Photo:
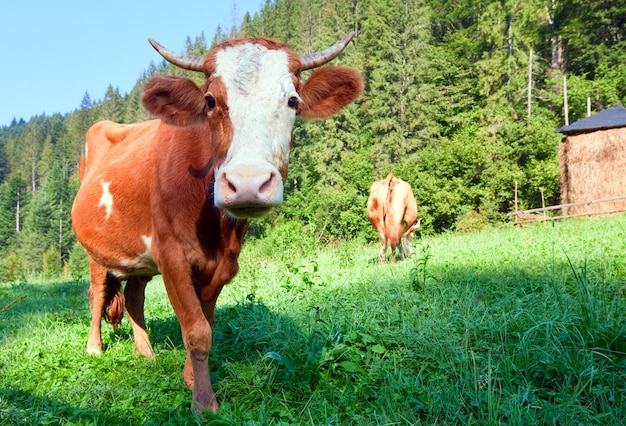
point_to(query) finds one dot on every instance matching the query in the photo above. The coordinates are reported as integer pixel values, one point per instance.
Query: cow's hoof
(94, 350)
(198, 408)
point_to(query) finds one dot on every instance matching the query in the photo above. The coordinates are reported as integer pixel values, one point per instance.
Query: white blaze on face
(106, 200)
(259, 84)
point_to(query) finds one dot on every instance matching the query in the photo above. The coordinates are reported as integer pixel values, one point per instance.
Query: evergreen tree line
(462, 99)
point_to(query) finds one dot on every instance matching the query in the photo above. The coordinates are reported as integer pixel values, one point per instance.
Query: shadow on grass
(18, 407)
(67, 300)
(43, 296)
(246, 337)
(250, 326)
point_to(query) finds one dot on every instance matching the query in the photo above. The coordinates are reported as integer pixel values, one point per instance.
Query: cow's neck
(186, 177)
(220, 256)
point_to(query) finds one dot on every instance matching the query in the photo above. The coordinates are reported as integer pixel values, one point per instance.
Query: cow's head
(405, 247)
(248, 103)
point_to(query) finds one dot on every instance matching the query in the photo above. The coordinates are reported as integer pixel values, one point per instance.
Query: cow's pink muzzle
(248, 193)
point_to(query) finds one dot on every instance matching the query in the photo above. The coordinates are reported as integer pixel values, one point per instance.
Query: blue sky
(55, 51)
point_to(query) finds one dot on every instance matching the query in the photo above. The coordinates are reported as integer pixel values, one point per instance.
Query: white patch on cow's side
(145, 260)
(259, 84)
(142, 264)
(106, 199)
(118, 273)
(125, 263)
(148, 242)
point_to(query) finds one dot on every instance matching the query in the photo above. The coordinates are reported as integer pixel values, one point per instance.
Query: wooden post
(530, 79)
(515, 223)
(543, 206)
(588, 106)
(565, 108)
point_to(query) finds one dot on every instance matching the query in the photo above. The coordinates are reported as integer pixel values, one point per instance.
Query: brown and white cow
(174, 196)
(392, 209)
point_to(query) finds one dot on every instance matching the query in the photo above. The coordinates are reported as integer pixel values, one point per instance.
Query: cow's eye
(210, 102)
(292, 102)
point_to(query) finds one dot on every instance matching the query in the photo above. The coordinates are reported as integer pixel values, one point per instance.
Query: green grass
(509, 326)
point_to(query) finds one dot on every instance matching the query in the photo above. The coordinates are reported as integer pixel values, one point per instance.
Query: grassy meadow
(507, 326)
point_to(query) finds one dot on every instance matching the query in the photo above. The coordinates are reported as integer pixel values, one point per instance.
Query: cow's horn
(314, 60)
(187, 62)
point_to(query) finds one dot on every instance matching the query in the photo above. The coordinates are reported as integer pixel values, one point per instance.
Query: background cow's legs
(375, 214)
(382, 254)
(393, 242)
(134, 293)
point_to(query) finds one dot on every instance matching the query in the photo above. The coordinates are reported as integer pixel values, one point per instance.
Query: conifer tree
(111, 106)
(394, 41)
(77, 124)
(4, 166)
(134, 111)
(246, 29)
(11, 194)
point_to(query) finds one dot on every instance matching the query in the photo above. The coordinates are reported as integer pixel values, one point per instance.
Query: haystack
(592, 162)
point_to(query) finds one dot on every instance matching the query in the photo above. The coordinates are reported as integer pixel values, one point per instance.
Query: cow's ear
(175, 100)
(328, 90)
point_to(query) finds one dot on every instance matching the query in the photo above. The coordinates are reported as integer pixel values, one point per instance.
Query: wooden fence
(533, 215)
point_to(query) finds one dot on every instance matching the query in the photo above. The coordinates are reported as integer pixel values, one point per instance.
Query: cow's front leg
(196, 375)
(208, 309)
(134, 293)
(197, 337)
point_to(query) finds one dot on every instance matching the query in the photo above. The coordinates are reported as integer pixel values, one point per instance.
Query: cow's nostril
(267, 185)
(248, 188)
(231, 186)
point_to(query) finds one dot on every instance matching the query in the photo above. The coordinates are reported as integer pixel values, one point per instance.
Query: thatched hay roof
(608, 119)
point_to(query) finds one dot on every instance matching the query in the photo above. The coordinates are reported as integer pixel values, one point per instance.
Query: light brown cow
(392, 209)
(174, 196)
